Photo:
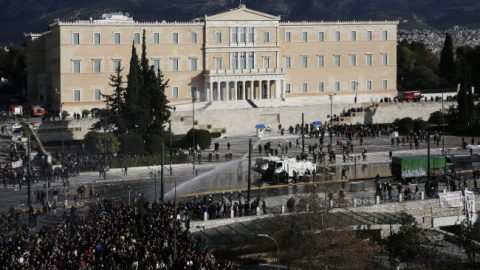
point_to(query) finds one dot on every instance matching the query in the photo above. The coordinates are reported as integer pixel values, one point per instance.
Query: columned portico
(244, 89)
(244, 84)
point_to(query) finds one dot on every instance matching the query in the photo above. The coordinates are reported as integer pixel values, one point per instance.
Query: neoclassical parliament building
(235, 55)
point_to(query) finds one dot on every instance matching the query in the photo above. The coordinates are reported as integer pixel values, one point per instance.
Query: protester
(110, 236)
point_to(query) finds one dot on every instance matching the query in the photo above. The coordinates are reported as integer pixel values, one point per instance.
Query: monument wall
(243, 121)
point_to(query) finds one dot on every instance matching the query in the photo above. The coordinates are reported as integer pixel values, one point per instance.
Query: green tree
(436, 118)
(420, 125)
(417, 66)
(451, 115)
(466, 61)
(311, 237)
(159, 109)
(447, 63)
(154, 95)
(470, 232)
(405, 125)
(13, 67)
(405, 244)
(135, 119)
(203, 138)
(145, 110)
(113, 117)
(406, 63)
(116, 103)
(132, 143)
(153, 144)
(95, 143)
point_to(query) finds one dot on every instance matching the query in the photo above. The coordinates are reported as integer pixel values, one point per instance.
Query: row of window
(337, 60)
(337, 36)
(97, 96)
(237, 35)
(304, 87)
(117, 38)
(97, 65)
(241, 60)
(77, 96)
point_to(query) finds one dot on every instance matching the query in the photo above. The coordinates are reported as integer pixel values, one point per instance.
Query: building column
(210, 91)
(277, 88)
(243, 90)
(284, 86)
(221, 95)
(235, 90)
(269, 90)
(227, 89)
(252, 84)
(260, 93)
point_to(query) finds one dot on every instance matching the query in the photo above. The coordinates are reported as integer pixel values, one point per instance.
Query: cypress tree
(465, 109)
(133, 105)
(116, 106)
(154, 98)
(447, 62)
(142, 106)
(466, 66)
(116, 103)
(160, 111)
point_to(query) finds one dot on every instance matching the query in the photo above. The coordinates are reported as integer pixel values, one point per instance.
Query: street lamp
(58, 94)
(330, 96)
(175, 222)
(356, 91)
(193, 130)
(278, 248)
(154, 174)
(443, 140)
(170, 132)
(61, 127)
(105, 145)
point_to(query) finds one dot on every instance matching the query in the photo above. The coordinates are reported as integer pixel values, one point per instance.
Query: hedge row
(149, 160)
(216, 135)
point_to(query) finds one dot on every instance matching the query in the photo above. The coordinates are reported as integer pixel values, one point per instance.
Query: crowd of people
(110, 236)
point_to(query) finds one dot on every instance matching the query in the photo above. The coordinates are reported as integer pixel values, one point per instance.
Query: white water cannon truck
(284, 169)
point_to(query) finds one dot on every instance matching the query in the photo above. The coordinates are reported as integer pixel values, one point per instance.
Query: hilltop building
(235, 55)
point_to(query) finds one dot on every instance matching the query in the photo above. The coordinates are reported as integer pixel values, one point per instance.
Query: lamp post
(170, 133)
(105, 145)
(162, 190)
(330, 96)
(278, 248)
(356, 91)
(175, 223)
(57, 93)
(61, 127)
(443, 141)
(154, 174)
(193, 131)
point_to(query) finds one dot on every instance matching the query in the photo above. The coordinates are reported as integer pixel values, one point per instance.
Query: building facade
(236, 55)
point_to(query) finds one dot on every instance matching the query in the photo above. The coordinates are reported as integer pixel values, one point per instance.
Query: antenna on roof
(194, 10)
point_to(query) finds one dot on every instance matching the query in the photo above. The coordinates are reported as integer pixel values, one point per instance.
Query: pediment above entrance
(242, 14)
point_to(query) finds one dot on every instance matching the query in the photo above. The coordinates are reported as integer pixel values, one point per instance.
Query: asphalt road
(207, 178)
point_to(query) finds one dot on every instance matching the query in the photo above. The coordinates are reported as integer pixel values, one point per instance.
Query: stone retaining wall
(425, 211)
(243, 121)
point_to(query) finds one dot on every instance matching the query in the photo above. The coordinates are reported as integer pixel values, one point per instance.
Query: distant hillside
(25, 16)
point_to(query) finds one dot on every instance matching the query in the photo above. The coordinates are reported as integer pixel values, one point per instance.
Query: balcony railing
(245, 71)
